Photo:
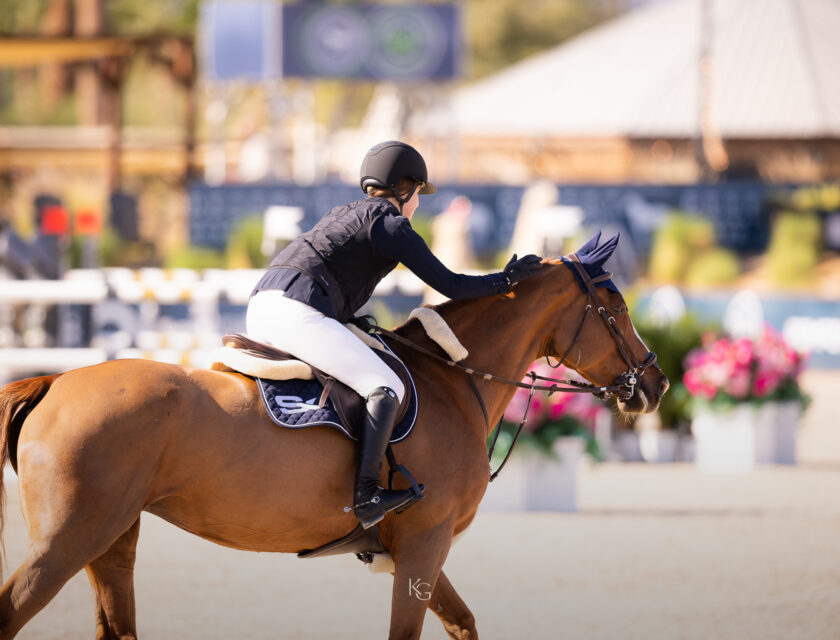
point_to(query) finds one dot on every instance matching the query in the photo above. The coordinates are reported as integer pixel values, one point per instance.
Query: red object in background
(88, 222)
(55, 221)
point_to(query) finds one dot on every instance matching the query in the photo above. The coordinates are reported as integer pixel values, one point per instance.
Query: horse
(96, 446)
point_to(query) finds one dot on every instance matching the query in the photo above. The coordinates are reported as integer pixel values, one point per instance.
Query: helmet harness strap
(402, 201)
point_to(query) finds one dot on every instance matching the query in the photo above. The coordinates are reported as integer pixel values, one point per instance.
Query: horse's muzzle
(651, 384)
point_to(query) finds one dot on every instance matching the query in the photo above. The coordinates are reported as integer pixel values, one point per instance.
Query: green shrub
(385, 316)
(794, 249)
(713, 268)
(671, 343)
(677, 243)
(244, 246)
(193, 257)
(111, 248)
(422, 223)
(819, 198)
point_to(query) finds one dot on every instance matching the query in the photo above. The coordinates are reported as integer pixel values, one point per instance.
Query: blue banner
(738, 211)
(240, 39)
(382, 42)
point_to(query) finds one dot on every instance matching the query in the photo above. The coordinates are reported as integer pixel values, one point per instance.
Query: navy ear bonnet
(592, 258)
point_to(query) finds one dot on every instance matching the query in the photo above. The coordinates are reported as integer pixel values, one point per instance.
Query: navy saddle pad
(294, 404)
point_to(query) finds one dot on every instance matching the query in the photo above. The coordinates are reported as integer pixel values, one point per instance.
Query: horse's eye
(619, 309)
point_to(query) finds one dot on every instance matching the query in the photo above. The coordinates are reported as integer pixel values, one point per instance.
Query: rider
(322, 278)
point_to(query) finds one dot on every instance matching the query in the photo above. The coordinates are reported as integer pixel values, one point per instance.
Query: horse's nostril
(663, 386)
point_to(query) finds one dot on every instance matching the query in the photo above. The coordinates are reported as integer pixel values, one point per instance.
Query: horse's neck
(503, 336)
(497, 338)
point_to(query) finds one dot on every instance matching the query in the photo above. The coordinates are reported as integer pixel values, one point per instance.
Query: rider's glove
(518, 269)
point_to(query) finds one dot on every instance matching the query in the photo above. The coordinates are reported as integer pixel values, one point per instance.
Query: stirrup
(416, 489)
(415, 495)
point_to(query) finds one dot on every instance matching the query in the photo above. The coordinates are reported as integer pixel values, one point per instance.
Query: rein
(624, 386)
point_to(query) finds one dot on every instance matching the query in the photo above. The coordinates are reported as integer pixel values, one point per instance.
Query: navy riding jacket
(335, 266)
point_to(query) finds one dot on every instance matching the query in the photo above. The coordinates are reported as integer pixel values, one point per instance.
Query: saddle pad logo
(295, 404)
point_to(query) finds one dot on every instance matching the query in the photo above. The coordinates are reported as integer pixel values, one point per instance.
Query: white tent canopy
(775, 74)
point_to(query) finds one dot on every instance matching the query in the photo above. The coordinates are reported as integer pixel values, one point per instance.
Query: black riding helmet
(389, 162)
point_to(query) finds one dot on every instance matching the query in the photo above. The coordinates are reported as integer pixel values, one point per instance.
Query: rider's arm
(393, 237)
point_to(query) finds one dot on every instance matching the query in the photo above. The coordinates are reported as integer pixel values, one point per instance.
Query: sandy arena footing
(656, 552)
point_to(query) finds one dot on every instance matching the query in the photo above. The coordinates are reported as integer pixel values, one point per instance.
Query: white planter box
(629, 447)
(734, 441)
(786, 417)
(738, 439)
(508, 491)
(534, 482)
(658, 446)
(552, 484)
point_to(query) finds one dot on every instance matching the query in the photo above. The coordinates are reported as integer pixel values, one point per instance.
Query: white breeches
(323, 342)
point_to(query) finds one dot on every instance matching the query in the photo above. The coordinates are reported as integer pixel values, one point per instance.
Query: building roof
(775, 74)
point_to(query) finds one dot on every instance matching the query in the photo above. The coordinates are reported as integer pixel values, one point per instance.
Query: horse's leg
(53, 559)
(32, 586)
(457, 619)
(112, 579)
(418, 557)
(74, 514)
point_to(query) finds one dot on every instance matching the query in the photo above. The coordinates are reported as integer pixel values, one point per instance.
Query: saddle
(348, 404)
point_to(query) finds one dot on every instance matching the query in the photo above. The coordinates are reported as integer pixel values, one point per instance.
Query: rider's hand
(518, 269)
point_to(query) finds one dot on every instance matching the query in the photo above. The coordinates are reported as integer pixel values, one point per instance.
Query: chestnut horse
(94, 447)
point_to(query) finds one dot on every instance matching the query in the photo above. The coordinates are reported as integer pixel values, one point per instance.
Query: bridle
(622, 388)
(625, 385)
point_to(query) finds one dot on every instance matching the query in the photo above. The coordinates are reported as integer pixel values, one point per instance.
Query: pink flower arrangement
(732, 370)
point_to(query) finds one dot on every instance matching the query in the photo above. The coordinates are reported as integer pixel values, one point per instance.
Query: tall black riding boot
(372, 502)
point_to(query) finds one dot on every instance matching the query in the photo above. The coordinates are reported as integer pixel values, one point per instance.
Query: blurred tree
(55, 78)
(501, 32)
(89, 20)
(123, 17)
(21, 17)
(497, 34)
(137, 17)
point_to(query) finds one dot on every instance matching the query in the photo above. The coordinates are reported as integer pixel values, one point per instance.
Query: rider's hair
(403, 187)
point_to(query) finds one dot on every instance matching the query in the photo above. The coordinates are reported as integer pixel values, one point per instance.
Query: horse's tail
(17, 399)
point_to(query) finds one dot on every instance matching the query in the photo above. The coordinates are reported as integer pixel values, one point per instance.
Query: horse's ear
(590, 246)
(612, 243)
(603, 253)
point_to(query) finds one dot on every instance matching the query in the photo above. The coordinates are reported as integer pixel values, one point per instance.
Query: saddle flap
(347, 403)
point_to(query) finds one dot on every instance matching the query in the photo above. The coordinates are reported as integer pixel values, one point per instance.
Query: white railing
(138, 333)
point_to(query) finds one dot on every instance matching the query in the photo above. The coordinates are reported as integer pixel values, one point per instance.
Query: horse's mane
(450, 307)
